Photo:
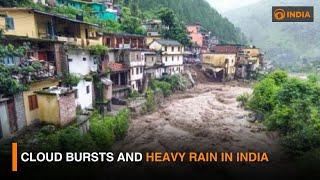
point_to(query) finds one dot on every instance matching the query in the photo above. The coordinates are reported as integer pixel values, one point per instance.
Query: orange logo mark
(279, 14)
(14, 157)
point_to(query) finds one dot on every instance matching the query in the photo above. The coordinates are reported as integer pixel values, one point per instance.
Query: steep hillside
(191, 11)
(285, 43)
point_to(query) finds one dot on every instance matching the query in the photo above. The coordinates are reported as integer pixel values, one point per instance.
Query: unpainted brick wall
(67, 104)
(20, 111)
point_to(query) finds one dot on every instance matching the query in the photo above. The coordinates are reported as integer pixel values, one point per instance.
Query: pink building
(195, 35)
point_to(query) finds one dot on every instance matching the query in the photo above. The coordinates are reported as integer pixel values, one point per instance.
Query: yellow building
(222, 66)
(37, 24)
(57, 106)
(151, 38)
(31, 102)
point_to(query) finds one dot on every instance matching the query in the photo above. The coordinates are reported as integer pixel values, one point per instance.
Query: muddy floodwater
(205, 118)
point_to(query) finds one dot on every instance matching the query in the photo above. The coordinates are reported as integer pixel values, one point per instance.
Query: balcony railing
(79, 41)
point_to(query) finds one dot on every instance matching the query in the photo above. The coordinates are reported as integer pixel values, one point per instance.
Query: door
(12, 116)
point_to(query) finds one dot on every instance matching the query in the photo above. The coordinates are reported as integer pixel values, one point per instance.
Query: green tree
(71, 80)
(8, 84)
(193, 11)
(150, 104)
(130, 23)
(167, 17)
(174, 29)
(292, 107)
(98, 50)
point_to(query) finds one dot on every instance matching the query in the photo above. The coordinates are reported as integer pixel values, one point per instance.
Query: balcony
(94, 42)
(79, 41)
(70, 40)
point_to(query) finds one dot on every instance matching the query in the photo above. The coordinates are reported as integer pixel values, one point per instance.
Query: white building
(82, 64)
(134, 59)
(171, 55)
(153, 66)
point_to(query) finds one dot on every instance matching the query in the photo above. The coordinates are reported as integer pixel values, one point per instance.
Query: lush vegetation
(130, 21)
(175, 29)
(150, 105)
(8, 84)
(98, 50)
(104, 131)
(71, 80)
(174, 13)
(290, 106)
(169, 84)
(192, 11)
(164, 87)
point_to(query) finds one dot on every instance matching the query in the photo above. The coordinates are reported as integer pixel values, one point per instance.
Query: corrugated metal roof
(168, 42)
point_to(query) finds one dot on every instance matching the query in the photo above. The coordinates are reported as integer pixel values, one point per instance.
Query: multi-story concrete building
(171, 53)
(154, 68)
(23, 108)
(126, 51)
(195, 34)
(59, 44)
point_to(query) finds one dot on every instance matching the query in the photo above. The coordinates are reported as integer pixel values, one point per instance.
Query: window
(84, 59)
(166, 59)
(137, 58)
(172, 58)
(88, 89)
(9, 23)
(172, 48)
(137, 71)
(165, 48)
(152, 59)
(178, 49)
(140, 69)
(132, 72)
(33, 102)
(8, 60)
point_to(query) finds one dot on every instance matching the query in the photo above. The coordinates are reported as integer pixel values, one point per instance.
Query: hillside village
(71, 67)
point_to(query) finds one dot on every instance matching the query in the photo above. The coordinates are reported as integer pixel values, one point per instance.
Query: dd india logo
(292, 14)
